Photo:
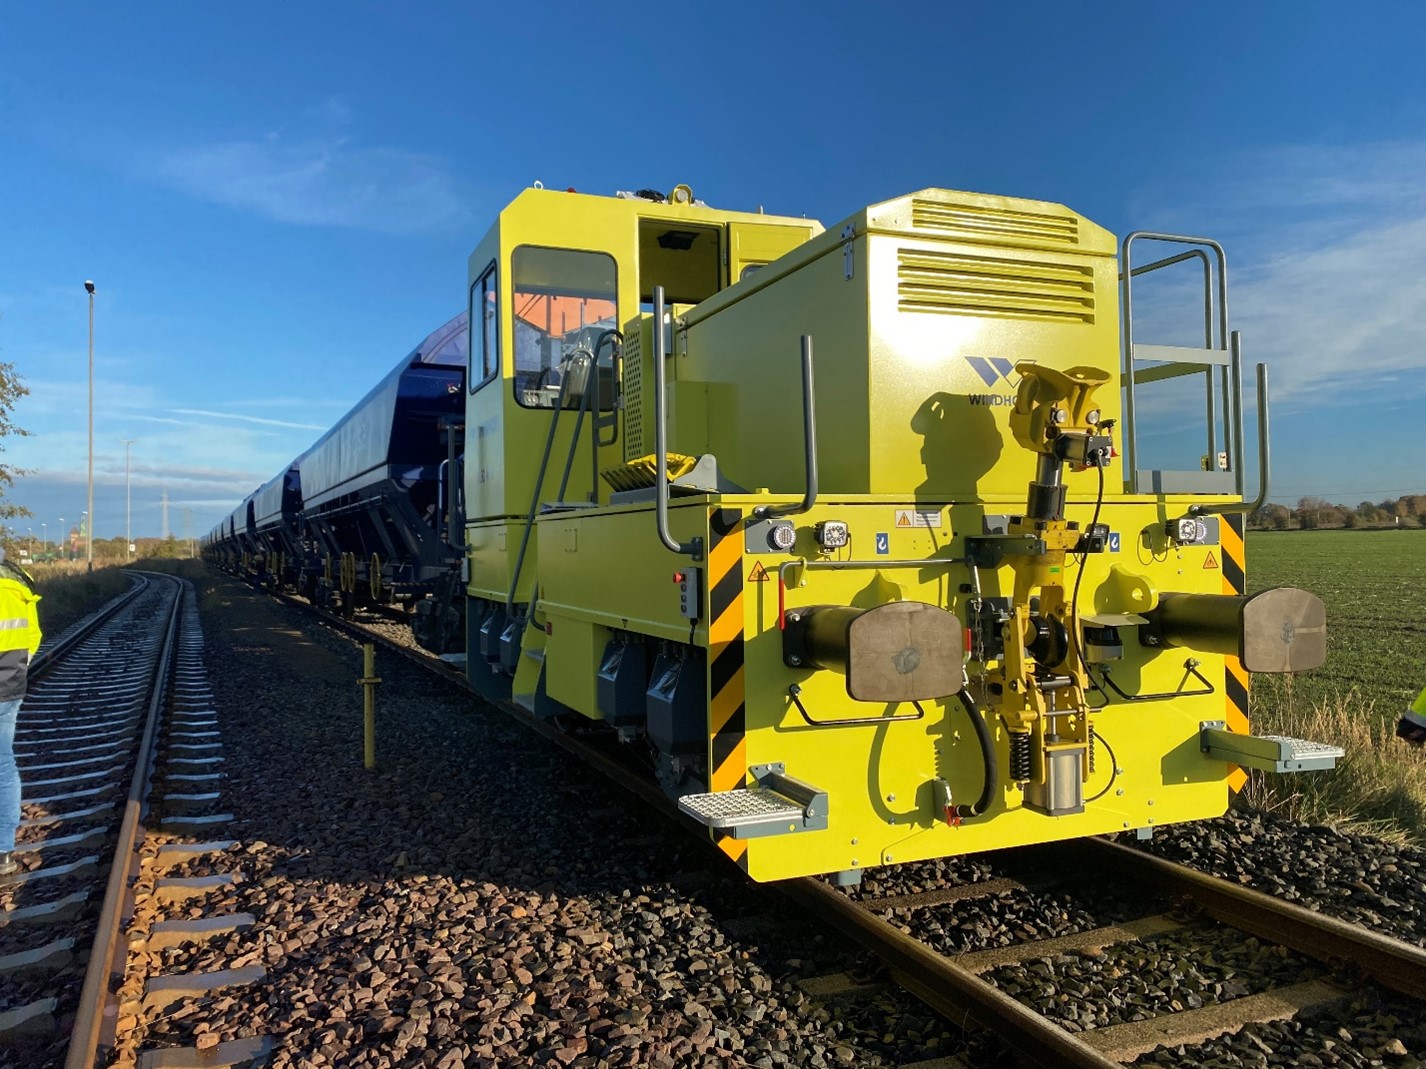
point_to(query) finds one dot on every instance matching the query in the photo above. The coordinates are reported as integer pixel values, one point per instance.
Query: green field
(1374, 585)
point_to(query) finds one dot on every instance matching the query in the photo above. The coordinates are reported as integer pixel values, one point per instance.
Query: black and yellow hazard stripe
(1235, 676)
(727, 707)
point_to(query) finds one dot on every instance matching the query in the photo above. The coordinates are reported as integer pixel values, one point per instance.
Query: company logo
(994, 371)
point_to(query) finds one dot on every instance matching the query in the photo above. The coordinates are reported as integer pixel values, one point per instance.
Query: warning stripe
(727, 755)
(1235, 676)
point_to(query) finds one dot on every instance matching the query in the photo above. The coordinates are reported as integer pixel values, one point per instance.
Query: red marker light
(678, 577)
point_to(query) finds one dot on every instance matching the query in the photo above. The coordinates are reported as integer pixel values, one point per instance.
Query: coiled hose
(987, 753)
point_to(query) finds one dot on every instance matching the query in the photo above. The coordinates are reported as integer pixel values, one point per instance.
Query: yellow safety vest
(19, 617)
(1419, 706)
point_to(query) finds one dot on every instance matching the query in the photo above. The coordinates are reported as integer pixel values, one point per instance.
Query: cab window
(484, 330)
(565, 316)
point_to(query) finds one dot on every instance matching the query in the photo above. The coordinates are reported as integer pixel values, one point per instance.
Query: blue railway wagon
(378, 506)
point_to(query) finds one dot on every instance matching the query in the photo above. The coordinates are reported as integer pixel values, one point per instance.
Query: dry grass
(70, 592)
(1378, 788)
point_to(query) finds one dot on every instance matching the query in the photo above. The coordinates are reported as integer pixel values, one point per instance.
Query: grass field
(1374, 585)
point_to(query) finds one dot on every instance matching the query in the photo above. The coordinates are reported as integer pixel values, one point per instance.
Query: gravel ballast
(481, 900)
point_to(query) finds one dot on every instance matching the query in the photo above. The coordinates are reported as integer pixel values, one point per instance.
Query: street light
(44, 537)
(89, 529)
(127, 540)
(60, 539)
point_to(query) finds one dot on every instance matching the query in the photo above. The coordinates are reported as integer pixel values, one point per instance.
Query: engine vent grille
(633, 395)
(928, 281)
(974, 221)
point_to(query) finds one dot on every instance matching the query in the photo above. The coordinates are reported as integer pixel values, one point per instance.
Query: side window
(565, 315)
(484, 330)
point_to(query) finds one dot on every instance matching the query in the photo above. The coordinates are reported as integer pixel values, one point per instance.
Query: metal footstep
(779, 805)
(1269, 753)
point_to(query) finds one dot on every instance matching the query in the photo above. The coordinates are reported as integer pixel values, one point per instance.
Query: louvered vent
(973, 221)
(928, 281)
(633, 395)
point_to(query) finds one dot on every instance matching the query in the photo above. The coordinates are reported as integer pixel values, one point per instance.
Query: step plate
(1269, 753)
(745, 813)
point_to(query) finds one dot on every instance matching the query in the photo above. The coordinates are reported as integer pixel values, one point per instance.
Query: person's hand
(1412, 728)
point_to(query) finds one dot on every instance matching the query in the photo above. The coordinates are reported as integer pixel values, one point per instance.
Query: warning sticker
(758, 574)
(918, 517)
(1210, 561)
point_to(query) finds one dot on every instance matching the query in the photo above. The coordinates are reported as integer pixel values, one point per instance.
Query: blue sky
(277, 201)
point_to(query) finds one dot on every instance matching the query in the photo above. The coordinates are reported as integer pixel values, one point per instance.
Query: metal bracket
(987, 551)
(848, 254)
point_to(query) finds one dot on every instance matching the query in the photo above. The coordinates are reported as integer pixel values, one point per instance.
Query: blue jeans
(9, 776)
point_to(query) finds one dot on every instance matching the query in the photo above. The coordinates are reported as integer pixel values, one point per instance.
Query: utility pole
(165, 515)
(89, 528)
(187, 529)
(128, 511)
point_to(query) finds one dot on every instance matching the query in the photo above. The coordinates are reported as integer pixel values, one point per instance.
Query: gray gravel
(1166, 974)
(1354, 877)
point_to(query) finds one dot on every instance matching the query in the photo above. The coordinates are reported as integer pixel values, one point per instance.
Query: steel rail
(1390, 962)
(46, 659)
(956, 993)
(94, 997)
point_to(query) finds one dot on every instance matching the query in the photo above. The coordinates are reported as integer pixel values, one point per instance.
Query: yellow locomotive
(844, 530)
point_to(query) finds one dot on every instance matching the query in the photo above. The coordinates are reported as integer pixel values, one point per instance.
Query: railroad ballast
(844, 534)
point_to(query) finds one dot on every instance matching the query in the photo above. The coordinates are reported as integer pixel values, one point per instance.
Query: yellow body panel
(920, 308)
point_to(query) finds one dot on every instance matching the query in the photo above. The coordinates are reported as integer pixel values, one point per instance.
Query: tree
(11, 390)
(1270, 515)
(1312, 512)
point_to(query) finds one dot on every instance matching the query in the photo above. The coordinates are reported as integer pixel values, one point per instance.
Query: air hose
(987, 752)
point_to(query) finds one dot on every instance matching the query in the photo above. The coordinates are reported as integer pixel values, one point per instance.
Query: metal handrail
(1126, 277)
(809, 444)
(1264, 460)
(693, 548)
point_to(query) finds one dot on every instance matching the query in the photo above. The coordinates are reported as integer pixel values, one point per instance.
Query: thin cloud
(319, 182)
(1328, 248)
(262, 420)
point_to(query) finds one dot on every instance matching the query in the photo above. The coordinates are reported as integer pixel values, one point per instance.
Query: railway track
(118, 750)
(970, 988)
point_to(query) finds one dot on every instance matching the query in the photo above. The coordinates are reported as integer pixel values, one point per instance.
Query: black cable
(987, 753)
(1113, 767)
(1079, 575)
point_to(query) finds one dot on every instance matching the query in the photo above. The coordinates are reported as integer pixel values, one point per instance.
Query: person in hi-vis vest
(1412, 725)
(19, 638)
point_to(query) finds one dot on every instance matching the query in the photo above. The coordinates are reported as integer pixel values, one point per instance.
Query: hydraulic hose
(987, 753)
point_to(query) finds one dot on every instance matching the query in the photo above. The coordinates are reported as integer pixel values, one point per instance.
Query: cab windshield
(564, 305)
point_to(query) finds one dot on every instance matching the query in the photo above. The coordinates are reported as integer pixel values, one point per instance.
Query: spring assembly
(1020, 757)
(1092, 737)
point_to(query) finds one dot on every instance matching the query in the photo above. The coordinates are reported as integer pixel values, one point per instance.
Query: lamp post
(44, 537)
(89, 528)
(60, 540)
(127, 540)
